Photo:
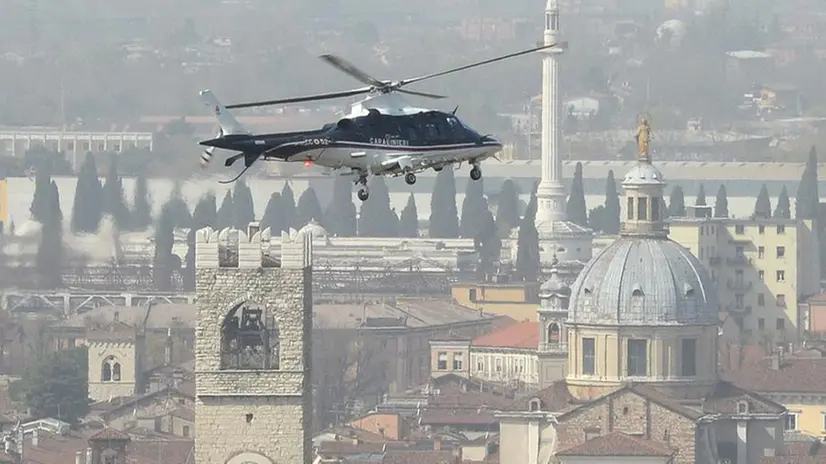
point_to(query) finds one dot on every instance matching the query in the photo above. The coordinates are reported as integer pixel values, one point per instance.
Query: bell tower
(553, 335)
(252, 348)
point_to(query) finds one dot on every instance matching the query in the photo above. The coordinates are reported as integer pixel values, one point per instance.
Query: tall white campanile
(551, 192)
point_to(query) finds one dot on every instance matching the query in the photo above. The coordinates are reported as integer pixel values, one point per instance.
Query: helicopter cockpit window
(432, 132)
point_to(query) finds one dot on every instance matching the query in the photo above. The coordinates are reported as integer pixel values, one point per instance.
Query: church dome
(314, 229)
(644, 174)
(643, 282)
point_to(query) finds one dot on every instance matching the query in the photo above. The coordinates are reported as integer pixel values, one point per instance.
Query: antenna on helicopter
(374, 85)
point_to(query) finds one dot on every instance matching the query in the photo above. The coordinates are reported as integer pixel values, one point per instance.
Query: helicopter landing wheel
(363, 193)
(410, 178)
(475, 173)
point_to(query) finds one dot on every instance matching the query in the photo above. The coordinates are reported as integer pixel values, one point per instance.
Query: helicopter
(382, 134)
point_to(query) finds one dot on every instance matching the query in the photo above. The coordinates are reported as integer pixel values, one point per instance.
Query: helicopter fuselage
(376, 143)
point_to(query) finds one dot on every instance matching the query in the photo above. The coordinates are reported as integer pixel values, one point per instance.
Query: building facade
(763, 268)
(252, 349)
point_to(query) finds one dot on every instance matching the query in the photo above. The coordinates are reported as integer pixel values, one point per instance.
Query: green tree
(288, 207)
(57, 385)
(676, 203)
(226, 213)
(340, 216)
(178, 209)
(377, 219)
(700, 200)
(87, 208)
(409, 220)
(113, 200)
(611, 213)
(763, 204)
(444, 219)
(721, 203)
(50, 251)
(528, 260)
(141, 204)
(41, 202)
(242, 206)
(507, 208)
(273, 217)
(164, 262)
(808, 197)
(308, 208)
(597, 219)
(783, 209)
(474, 207)
(576, 207)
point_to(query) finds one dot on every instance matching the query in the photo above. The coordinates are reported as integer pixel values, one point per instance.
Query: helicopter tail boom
(226, 121)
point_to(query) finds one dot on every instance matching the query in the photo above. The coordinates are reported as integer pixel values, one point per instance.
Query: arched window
(116, 372)
(249, 338)
(110, 370)
(106, 372)
(553, 333)
(535, 406)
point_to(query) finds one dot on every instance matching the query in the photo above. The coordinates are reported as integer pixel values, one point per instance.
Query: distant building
(763, 269)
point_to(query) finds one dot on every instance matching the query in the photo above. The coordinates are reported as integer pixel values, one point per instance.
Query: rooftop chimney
(80, 457)
(116, 316)
(88, 455)
(168, 350)
(35, 438)
(457, 453)
(437, 444)
(777, 360)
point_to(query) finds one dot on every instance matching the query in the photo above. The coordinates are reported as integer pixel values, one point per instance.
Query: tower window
(458, 361)
(442, 361)
(110, 370)
(642, 209)
(637, 358)
(630, 208)
(655, 209)
(553, 333)
(688, 355)
(588, 356)
(249, 339)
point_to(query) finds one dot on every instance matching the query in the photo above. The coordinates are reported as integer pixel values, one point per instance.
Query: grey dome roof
(643, 281)
(644, 173)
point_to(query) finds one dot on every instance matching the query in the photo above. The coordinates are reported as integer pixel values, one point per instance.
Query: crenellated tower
(252, 348)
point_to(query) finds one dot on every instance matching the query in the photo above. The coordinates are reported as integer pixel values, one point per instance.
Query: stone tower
(252, 348)
(553, 334)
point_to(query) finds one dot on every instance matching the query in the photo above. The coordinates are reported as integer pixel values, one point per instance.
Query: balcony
(739, 261)
(738, 285)
(715, 261)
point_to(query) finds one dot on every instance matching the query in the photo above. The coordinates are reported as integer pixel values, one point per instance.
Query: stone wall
(264, 413)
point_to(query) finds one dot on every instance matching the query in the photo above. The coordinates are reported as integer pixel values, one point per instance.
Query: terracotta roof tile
(419, 457)
(457, 416)
(726, 398)
(183, 412)
(750, 368)
(555, 398)
(618, 444)
(521, 335)
(109, 434)
(180, 451)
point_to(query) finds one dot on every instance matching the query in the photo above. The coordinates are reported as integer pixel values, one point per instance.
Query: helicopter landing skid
(224, 182)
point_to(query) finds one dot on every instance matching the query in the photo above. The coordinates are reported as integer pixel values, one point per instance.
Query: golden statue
(643, 138)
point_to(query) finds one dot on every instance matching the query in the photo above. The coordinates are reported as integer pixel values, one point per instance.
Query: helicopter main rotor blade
(320, 96)
(349, 68)
(474, 65)
(421, 94)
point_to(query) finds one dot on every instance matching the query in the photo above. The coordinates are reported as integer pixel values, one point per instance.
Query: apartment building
(762, 267)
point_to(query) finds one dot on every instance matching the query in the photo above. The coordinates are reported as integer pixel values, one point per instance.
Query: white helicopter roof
(391, 104)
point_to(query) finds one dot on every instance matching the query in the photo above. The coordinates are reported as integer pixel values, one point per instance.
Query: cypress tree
(763, 204)
(808, 197)
(340, 216)
(721, 203)
(141, 205)
(487, 243)
(41, 202)
(701, 197)
(597, 219)
(783, 209)
(409, 220)
(205, 213)
(377, 219)
(49, 261)
(226, 212)
(113, 199)
(676, 203)
(528, 260)
(474, 207)
(163, 262)
(576, 208)
(242, 206)
(288, 207)
(178, 209)
(507, 208)
(611, 213)
(308, 208)
(273, 217)
(87, 208)
(444, 218)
